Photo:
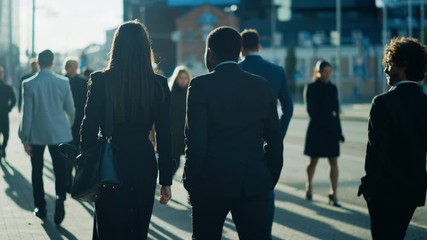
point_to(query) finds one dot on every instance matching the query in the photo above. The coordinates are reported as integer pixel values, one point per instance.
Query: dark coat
(395, 161)
(324, 129)
(276, 77)
(7, 99)
(124, 212)
(178, 110)
(79, 90)
(231, 114)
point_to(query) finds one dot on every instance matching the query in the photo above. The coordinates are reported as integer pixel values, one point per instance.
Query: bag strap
(108, 115)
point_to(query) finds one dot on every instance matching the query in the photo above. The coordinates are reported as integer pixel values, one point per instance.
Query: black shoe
(59, 215)
(308, 196)
(333, 201)
(40, 212)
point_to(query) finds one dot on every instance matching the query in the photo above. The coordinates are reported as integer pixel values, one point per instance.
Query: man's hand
(165, 194)
(28, 149)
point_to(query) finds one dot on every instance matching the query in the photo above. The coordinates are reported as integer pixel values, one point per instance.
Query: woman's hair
(131, 80)
(178, 70)
(407, 52)
(320, 65)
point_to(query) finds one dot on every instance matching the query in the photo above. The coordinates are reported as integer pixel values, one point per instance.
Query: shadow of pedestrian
(19, 188)
(57, 232)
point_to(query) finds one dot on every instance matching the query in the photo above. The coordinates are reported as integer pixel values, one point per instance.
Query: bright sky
(64, 25)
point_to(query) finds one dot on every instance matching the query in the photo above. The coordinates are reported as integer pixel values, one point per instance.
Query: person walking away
(78, 86)
(7, 102)
(276, 77)
(47, 116)
(139, 99)
(234, 151)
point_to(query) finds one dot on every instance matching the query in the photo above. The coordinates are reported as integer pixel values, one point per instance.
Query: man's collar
(225, 62)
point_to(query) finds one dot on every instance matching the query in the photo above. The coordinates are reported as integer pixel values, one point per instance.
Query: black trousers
(4, 130)
(389, 222)
(251, 215)
(37, 174)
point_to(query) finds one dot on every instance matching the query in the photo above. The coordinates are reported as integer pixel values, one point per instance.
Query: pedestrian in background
(78, 85)
(324, 132)
(276, 77)
(273, 73)
(234, 151)
(396, 179)
(140, 98)
(7, 102)
(47, 116)
(34, 68)
(178, 84)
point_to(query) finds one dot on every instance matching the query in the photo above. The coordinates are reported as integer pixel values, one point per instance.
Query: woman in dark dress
(140, 98)
(179, 84)
(324, 130)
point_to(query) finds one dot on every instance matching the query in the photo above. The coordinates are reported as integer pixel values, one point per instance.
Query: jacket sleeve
(286, 104)
(196, 128)
(93, 115)
(273, 142)
(163, 138)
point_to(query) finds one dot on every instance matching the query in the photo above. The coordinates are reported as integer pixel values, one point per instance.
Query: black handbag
(96, 167)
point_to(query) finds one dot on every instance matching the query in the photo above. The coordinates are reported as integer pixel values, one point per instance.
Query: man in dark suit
(234, 152)
(275, 76)
(78, 86)
(396, 180)
(7, 102)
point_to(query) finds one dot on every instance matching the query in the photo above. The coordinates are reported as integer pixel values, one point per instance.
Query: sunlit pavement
(295, 217)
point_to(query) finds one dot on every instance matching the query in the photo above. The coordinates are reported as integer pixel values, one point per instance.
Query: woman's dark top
(124, 212)
(324, 129)
(178, 110)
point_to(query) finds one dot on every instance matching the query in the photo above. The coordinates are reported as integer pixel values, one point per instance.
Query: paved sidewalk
(295, 217)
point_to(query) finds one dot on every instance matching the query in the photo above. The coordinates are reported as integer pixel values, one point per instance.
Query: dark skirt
(322, 139)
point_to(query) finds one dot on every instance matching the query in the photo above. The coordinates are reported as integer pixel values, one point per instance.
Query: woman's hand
(165, 194)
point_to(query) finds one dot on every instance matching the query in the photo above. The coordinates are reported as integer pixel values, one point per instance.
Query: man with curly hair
(396, 180)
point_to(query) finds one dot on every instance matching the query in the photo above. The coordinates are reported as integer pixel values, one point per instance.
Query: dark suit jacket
(137, 163)
(396, 152)
(276, 77)
(79, 90)
(231, 114)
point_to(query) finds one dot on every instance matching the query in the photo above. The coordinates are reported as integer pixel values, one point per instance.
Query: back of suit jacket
(396, 151)
(48, 110)
(230, 115)
(276, 77)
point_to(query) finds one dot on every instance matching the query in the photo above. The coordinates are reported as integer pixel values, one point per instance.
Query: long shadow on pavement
(20, 189)
(322, 230)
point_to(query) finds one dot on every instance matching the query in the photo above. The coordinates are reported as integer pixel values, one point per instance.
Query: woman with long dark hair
(140, 98)
(324, 132)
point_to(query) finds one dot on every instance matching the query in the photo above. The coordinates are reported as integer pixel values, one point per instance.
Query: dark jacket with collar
(278, 82)
(396, 151)
(232, 134)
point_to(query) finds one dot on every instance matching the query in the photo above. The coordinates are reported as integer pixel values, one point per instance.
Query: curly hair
(407, 52)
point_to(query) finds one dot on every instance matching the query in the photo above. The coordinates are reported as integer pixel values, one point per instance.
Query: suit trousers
(251, 215)
(4, 130)
(389, 222)
(37, 174)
